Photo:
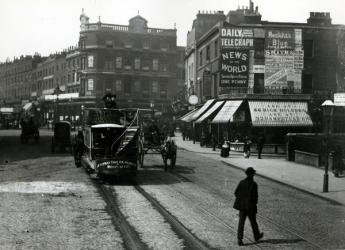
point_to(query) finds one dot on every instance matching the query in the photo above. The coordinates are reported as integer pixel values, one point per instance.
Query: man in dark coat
(260, 144)
(246, 199)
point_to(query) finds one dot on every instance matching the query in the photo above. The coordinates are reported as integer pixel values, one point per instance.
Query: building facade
(273, 76)
(141, 65)
(137, 63)
(277, 58)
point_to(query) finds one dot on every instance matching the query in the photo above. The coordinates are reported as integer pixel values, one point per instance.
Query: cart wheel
(141, 154)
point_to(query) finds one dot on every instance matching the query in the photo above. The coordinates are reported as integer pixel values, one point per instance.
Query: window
(155, 64)
(89, 62)
(145, 89)
(108, 65)
(163, 91)
(127, 87)
(155, 87)
(90, 86)
(208, 53)
(146, 45)
(200, 58)
(259, 48)
(308, 46)
(118, 62)
(137, 63)
(137, 86)
(118, 86)
(109, 43)
(215, 48)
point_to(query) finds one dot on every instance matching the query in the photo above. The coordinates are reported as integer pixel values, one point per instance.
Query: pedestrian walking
(338, 164)
(260, 144)
(246, 202)
(246, 147)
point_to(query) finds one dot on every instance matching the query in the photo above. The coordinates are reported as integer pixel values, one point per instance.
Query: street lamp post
(152, 106)
(328, 107)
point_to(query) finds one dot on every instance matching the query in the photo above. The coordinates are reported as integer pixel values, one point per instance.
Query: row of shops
(233, 119)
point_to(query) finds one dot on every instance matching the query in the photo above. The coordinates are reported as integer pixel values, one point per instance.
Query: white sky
(47, 26)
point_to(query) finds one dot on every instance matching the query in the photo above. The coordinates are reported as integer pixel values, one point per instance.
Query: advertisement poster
(234, 68)
(283, 59)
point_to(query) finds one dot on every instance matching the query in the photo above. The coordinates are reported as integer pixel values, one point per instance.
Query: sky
(49, 26)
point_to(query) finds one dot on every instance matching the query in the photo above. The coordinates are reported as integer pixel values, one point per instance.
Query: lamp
(152, 106)
(328, 108)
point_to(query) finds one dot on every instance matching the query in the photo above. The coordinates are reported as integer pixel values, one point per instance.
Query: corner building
(137, 63)
(273, 73)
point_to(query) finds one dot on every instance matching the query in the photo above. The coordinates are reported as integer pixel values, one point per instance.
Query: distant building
(137, 63)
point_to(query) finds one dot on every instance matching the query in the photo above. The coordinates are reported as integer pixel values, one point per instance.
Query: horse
(168, 151)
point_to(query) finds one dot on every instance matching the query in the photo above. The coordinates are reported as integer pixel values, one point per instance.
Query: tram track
(130, 236)
(277, 225)
(190, 240)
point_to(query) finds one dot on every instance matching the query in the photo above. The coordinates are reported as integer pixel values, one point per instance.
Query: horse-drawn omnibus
(111, 142)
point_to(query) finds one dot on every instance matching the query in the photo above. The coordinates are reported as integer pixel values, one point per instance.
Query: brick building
(273, 73)
(136, 62)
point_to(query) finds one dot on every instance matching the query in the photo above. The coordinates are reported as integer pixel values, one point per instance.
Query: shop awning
(226, 113)
(188, 117)
(210, 111)
(27, 106)
(202, 110)
(279, 114)
(4, 110)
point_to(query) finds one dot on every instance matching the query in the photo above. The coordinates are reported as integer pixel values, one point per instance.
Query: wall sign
(234, 68)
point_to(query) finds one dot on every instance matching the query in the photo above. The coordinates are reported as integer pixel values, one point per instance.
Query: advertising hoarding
(234, 68)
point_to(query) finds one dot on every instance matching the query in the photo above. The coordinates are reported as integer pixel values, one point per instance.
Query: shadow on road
(12, 150)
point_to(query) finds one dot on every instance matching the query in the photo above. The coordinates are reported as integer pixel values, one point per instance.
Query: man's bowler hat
(250, 171)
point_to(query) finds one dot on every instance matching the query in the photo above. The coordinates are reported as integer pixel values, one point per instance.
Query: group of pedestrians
(259, 144)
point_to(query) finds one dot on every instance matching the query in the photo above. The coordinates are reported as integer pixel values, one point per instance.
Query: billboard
(283, 58)
(234, 67)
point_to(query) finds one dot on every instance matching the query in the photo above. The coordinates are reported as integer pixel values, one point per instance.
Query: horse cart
(158, 141)
(62, 136)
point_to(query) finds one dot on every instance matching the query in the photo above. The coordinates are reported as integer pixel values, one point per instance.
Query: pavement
(306, 178)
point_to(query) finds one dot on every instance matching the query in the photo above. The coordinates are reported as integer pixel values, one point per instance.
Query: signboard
(339, 99)
(234, 37)
(114, 164)
(280, 39)
(234, 68)
(284, 58)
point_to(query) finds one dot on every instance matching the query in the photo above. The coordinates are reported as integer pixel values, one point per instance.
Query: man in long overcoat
(246, 200)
